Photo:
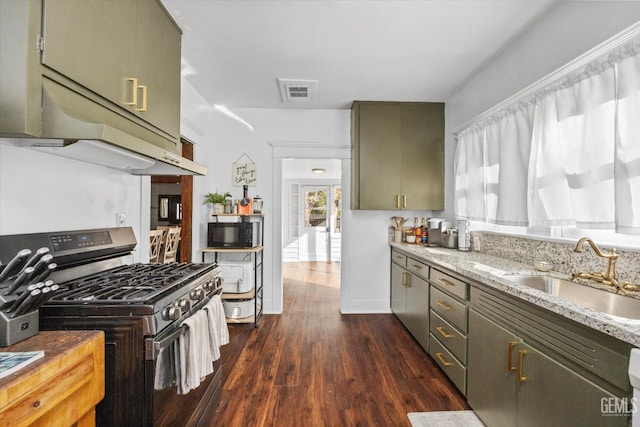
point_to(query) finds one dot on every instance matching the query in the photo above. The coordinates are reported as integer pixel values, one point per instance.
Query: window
(564, 160)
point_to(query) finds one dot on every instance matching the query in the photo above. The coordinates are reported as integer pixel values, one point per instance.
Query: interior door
(316, 214)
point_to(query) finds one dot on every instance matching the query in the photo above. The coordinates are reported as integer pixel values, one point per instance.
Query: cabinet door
(491, 384)
(418, 309)
(379, 155)
(398, 291)
(158, 58)
(422, 170)
(101, 33)
(550, 394)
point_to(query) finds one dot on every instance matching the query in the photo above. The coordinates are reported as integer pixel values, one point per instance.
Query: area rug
(444, 419)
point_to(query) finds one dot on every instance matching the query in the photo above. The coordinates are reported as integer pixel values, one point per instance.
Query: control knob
(196, 294)
(172, 313)
(184, 305)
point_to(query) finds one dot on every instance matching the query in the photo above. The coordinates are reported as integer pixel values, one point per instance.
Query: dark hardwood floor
(312, 366)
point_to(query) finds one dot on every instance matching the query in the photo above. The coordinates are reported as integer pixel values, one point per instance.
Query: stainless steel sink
(596, 299)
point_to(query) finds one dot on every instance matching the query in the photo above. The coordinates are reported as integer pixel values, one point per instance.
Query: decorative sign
(244, 174)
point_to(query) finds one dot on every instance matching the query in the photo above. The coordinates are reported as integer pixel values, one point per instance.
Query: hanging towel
(218, 320)
(210, 309)
(165, 375)
(195, 354)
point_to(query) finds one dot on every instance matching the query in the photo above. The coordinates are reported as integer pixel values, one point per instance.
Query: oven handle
(153, 346)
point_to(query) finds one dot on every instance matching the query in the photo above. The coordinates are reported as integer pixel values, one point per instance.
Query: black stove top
(130, 284)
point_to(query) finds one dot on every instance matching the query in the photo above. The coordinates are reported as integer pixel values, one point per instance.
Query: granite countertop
(494, 272)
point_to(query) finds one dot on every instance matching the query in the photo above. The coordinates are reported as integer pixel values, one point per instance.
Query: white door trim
(300, 150)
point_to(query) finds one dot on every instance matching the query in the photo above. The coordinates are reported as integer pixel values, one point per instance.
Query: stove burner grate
(132, 283)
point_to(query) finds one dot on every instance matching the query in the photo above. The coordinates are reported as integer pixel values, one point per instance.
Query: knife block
(19, 328)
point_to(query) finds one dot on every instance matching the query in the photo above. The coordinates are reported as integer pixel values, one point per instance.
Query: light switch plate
(121, 219)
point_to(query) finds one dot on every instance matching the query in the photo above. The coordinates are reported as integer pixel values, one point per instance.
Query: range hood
(76, 127)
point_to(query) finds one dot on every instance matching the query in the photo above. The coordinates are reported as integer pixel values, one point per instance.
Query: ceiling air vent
(298, 90)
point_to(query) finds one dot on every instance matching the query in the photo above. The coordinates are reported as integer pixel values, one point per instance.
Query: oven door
(167, 407)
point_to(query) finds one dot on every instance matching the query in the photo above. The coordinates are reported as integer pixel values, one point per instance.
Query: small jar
(228, 208)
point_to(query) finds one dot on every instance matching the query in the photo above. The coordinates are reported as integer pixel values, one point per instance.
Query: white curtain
(571, 166)
(508, 146)
(627, 166)
(469, 173)
(567, 155)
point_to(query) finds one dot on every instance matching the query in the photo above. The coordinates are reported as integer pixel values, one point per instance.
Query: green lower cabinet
(398, 291)
(553, 395)
(410, 302)
(491, 379)
(511, 383)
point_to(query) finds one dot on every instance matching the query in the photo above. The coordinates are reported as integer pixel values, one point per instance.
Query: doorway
(311, 220)
(284, 154)
(172, 204)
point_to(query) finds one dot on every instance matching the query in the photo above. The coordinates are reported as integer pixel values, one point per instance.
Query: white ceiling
(418, 50)
(302, 169)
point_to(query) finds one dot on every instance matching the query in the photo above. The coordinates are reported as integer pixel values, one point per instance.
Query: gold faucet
(605, 277)
(608, 277)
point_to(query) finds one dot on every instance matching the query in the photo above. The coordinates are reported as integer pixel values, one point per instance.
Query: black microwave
(240, 232)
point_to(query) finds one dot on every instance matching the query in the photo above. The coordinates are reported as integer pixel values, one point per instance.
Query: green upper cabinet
(398, 155)
(127, 52)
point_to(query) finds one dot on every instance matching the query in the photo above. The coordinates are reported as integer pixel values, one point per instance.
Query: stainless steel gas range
(140, 307)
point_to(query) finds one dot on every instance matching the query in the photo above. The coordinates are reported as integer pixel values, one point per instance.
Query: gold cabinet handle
(404, 201)
(398, 201)
(446, 282)
(443, 305)
(444, 362)
(405, 281)
(521, 355)
(416, 266)
(144, 99)
(512, 344)
(443, 332)
(133, 91)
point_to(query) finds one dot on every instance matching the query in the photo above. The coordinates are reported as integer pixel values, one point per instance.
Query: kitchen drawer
(398, 258)
(418, 268)
(450, 284)
(449, 336)
(456, 372)
(449, 309)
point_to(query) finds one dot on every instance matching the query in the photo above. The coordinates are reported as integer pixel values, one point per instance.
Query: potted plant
(217, 201)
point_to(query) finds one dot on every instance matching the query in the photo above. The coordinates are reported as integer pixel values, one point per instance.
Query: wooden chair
(155, 243)
(171, 245)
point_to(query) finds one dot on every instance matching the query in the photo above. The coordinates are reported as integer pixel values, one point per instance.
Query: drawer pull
(521, 376)
(398, 201)
(444, 362)
(443, 305)
(443, 332)
(446, 282)
(416, 266)
(512, 344)
(404, 201)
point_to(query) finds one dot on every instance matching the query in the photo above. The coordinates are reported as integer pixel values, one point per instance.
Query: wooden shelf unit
(257, 255)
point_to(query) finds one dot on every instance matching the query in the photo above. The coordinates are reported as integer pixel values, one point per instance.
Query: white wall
(568, 31)
(41, 192)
